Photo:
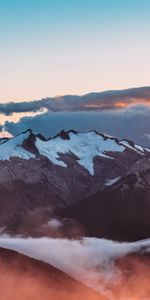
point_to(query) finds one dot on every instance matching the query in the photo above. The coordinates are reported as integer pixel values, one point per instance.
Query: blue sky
(58, 47)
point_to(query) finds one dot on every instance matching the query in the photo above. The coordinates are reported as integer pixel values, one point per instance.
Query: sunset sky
(56, 47)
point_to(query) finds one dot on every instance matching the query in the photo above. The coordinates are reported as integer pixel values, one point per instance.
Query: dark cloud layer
(102, 100)
(93, 111)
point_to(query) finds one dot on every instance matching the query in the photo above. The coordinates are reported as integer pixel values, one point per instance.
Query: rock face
(42, 176)
(38, 280)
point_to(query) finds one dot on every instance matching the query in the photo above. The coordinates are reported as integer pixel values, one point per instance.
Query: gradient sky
(55, 47)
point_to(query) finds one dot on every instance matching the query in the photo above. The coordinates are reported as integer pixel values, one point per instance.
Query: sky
(56, 47)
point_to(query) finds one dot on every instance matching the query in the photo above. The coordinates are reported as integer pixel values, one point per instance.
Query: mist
(89, 260)
(23, 278)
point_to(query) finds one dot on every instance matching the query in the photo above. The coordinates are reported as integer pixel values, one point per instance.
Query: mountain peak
(64, 135)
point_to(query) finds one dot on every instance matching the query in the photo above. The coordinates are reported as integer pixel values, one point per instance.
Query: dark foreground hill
(23, 278)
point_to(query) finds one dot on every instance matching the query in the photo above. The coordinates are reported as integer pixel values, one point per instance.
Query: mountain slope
(119, 212)
(38, 280)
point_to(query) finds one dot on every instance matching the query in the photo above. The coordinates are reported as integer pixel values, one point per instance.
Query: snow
(2, 140)
(126, 144)
(85, 146)
(147, 149)
(12, 148)
(137, 148)
(111, 181)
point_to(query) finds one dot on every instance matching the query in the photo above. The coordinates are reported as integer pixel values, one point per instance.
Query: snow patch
(12, 148)
(111, 181)
(137, 148)
(85, 146)
(147, 149)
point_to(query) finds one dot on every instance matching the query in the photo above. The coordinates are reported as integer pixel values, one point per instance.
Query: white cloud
(55, 223)
(90, 260)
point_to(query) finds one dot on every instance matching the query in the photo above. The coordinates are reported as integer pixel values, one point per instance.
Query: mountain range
(74, 183)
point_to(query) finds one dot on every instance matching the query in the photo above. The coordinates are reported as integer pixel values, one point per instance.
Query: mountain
(26, 278)
(39, 176)
(119, 212)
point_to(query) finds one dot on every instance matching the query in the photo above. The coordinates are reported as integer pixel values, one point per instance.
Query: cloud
(90, 260)
(103, 100)
(130, 123)
(55, 223)
(124, 114)
(16, 117)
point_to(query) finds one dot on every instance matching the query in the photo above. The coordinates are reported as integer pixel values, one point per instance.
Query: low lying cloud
(54, 223)
(90, 260)
(23, 278)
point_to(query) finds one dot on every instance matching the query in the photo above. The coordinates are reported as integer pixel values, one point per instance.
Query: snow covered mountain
(84, 146)
(38, 176)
